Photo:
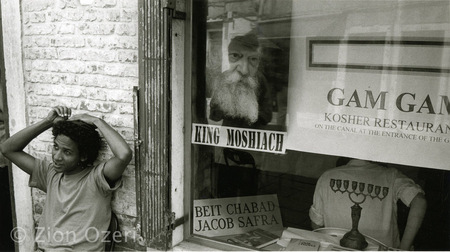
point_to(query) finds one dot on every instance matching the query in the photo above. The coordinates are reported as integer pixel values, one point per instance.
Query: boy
(78, 204)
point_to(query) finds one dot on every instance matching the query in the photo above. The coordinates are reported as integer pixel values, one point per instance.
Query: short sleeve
(38, 177)
(406, 189)
(316, 210)
(101, 182)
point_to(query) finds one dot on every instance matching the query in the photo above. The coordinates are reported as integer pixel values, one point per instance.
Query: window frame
(191, 67)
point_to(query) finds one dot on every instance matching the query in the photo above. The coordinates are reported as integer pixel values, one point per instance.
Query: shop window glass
(284, 91)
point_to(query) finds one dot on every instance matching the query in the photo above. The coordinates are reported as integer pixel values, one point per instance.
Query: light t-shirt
(378, 217)
(77, 208)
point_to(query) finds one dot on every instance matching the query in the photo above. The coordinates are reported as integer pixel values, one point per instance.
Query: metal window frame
(153, 124)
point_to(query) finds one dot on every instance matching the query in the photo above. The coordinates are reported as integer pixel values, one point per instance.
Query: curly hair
(83, 134)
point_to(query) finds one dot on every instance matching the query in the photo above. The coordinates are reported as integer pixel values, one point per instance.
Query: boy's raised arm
(12, 148)
(116, 165)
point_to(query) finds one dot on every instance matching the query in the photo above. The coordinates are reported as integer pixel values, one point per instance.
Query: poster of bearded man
(242, 96)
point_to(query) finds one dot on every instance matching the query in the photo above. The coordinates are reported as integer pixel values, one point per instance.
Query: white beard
(237, 96)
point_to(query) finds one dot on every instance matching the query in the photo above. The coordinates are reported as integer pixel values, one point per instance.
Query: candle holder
(354, 239)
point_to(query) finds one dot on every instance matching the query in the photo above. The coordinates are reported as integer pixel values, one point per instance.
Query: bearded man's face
(237, 96)
(244, 60)
(237, 89)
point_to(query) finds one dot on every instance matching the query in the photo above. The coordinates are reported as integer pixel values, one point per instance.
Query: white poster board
(237, 215)
(357, 88)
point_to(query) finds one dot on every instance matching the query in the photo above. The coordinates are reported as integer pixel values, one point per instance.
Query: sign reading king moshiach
(239, 138)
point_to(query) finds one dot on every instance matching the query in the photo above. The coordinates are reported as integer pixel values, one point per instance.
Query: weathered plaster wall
(83, 54)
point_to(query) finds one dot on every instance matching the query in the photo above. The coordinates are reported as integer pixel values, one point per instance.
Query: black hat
(248, 41)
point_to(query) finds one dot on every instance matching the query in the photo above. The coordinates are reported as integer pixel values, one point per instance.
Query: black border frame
(313, 42)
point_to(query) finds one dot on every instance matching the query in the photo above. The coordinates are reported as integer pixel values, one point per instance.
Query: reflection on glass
(261, 74)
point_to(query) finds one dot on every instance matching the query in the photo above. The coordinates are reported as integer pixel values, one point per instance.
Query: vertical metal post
(154, 105)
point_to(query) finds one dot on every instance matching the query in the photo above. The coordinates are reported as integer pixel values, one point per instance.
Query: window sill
(197, 243)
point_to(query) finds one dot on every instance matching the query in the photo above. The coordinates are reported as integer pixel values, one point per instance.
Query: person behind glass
(378, 217)
(77, 209)
(241, 95)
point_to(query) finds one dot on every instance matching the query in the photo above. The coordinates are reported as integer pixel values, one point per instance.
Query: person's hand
(85, 118)
(59, 113)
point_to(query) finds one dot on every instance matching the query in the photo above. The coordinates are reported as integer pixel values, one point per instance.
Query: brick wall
(83, 54)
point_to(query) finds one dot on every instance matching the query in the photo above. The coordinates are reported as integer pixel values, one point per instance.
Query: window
(285, 91)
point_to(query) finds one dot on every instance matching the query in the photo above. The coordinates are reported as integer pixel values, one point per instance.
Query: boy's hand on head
(59, 113)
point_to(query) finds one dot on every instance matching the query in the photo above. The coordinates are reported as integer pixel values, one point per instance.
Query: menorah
(354, 239)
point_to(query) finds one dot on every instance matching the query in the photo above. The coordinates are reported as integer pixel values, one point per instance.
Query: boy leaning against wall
(78, 204)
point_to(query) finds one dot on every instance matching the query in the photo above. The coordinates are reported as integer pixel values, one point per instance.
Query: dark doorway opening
(6, 198)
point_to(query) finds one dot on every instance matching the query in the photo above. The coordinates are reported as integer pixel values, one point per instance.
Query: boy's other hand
(59, 113)
(85, 118)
